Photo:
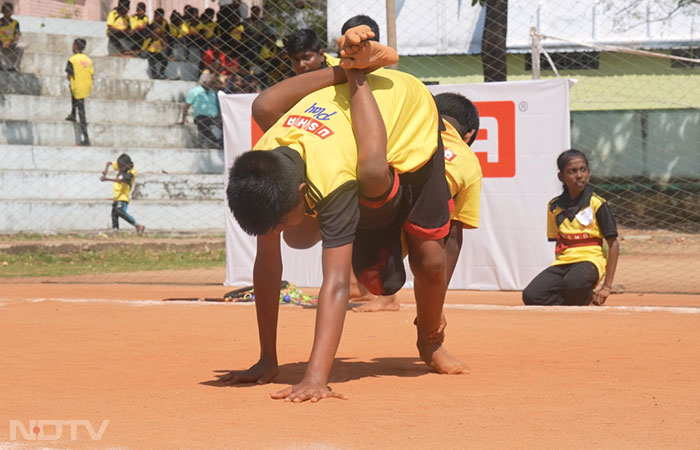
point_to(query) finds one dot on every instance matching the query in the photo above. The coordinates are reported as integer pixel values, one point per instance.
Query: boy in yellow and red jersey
(301, 180)
(10, 49)
(578, 220)
(80, 73)
(139, 27)
(123, 184)
(463, 174)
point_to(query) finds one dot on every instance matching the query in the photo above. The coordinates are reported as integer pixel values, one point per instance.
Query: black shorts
(418, 203)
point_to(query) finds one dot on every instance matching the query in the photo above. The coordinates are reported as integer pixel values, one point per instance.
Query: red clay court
(624, 376)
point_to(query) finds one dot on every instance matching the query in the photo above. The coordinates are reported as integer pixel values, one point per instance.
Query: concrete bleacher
(50, 184)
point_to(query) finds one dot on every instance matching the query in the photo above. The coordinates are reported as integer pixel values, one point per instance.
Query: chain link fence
(636, 115)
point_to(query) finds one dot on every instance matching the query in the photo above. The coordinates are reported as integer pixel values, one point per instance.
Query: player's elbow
(263, 114)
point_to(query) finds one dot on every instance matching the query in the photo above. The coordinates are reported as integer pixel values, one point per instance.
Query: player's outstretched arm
(601, 295)
(332, 305)
(267, 274)
(370, 134)
(276, 100)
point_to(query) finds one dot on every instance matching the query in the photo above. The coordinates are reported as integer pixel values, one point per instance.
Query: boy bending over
(302, 180)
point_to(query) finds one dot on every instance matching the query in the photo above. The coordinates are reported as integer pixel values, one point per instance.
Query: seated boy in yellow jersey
(123, 183)
(305, 53)
(578, 220)
(306, 185)
(119, 29)
(463, 173)
(10, 49)
(80, 73)
(154, 49)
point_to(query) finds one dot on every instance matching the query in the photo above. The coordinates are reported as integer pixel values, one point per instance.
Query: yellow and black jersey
(153, 45)
(80, 69)
(122, 188)
(319, 128)
(463, 174)
(114, 20)
(137, 22)
(579, 227)
(207, 29)
(8, 30)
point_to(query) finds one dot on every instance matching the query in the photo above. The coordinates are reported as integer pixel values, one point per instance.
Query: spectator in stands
(190, 28)
(11, 51)
(80, 73)
(154, 48)
(208, 27)
(123, 184)
(305, 53)
(235, 84)
(216, 61)
(119, 29)
(160, 22)
(139, 27)
(205, 109)
(176, 37)
(255, 34)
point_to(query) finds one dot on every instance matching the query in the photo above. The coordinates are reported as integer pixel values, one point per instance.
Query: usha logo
(52, 430)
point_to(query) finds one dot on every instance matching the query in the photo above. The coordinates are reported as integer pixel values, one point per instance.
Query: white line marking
(458, 306)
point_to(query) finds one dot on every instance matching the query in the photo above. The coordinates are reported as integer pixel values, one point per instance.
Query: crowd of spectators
(243, 54)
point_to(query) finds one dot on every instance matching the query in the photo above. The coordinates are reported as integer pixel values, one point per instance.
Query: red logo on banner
(497, 136)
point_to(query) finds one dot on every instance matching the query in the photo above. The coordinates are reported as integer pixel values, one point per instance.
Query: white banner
(524, 126)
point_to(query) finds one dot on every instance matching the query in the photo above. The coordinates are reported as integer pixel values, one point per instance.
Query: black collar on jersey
(570, 206)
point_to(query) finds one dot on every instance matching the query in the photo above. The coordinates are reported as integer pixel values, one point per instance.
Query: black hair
(462, 110)
(124, 162)
(80, 44)
(141, 5)
(159, 11)
(566, 156)
(361, 19)
(302, 40)
(209, 12)
(124, 4)
(262, 188)
(7, 6)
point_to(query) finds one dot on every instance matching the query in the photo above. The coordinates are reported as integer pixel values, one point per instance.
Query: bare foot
(442, 362)
(351, 40)
(379, 303)
(140, 229)
(370, 55)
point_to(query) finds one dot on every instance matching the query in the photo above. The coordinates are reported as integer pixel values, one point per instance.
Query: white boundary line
(458, 306)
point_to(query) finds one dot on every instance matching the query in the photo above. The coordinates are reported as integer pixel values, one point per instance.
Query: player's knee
(530, 296)
(430, 268)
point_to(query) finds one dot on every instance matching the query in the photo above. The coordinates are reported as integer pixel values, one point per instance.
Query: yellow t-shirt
(81, 81)
(237, 32)
(8, 31)
(331, 60)
(152, 45)
(116, 21)
(138, 22)
(122, 190)
(175, 31)
(579, 229)
(319, 128)
(207, 30)
(463, 174)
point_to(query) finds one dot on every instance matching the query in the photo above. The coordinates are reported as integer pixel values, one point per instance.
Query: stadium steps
(48, 184)
(69, 215)
(164, 160)
(85, 185)
(132, 68)
(44, 108)
(62, 44)
(62, 132)
(103, 87)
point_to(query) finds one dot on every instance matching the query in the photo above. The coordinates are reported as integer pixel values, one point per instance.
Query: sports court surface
(624, 376)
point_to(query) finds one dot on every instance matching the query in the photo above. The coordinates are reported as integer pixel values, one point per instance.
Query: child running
(578, 220)
(123, 184)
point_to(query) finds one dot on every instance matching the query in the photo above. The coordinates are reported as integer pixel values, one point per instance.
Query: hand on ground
(601, 296)
(307, 390)
(261, 372)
